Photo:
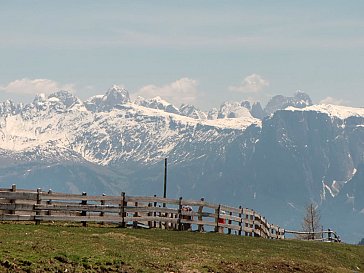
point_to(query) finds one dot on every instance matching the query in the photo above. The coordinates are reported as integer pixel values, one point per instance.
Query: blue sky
(199, 52)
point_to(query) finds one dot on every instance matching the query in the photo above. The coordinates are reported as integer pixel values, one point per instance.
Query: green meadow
(72, 248)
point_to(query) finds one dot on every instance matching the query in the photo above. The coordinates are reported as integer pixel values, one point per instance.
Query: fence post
(329, 235)
(149, 215)
(257, 225)
(135, 223)
(217, 217)
(241, 219)
(175, 226)
(281, 233)
(278, 233)
(200, 209)
(122, 210)
(180, 225)
(264, 228)
(253, 226)
(274, 231)
(155, 213)
(160, 221)
(12, 201)
(102, 214)
(49, 202)
(267, 225)
(229, 222)
(83, 213)
(37, 212)
(246, 224)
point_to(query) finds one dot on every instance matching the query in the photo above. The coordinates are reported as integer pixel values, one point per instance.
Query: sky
(197, 52)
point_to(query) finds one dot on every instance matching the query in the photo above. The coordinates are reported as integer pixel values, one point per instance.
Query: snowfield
(109, 128)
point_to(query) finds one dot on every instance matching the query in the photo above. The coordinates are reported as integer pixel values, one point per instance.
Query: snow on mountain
(157, 103)
(213, 114)
(237, 110)
(109, 128)
(39, 124)
(341, 112)
(231, 110)
(114, 96)
(64, 98)
(192, 112)
(8, 107)
(93, 103)
(279, 102)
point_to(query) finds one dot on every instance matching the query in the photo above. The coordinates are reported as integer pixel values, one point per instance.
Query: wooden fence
(147, 211)
(323, 235)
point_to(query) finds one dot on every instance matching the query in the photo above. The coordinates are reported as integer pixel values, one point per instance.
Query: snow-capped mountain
(237, 110)
(192, 112)
(234, 154)
(157, 103)
(279, 102)
(109, 129)
(114, 96)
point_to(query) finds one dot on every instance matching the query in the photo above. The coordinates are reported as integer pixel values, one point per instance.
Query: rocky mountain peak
(213, 114)
(279, 102)
(257, 110)
(65, 97)
(39, 98)
(302, 99)
(191, 111)
(157, 103)
(40, 102)
(9, 107)
(114, 96)
(233, 110)
(246, 104)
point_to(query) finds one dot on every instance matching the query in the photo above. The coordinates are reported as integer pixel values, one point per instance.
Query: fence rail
(331, 236)
(147, 211)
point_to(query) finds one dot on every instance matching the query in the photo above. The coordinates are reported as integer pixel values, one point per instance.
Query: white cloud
(331, 100)
(251, 84)
(180, 91)
(33, 86)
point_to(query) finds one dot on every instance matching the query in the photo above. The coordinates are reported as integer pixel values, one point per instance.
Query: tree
(361, 243)
(311, 222)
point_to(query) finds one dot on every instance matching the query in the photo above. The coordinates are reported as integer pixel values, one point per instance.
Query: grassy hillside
(58, 248)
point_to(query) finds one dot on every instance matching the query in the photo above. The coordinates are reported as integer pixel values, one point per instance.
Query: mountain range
(274, 159)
